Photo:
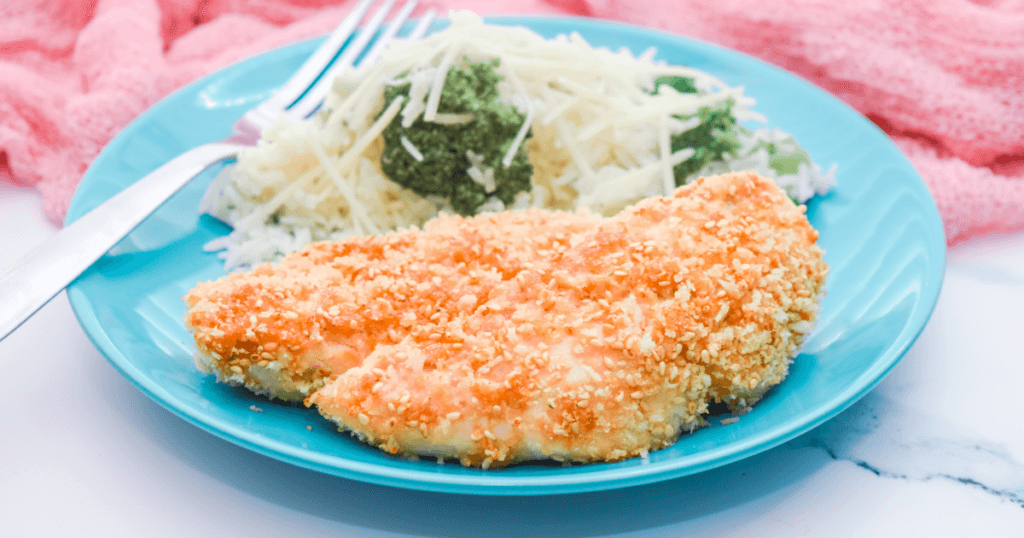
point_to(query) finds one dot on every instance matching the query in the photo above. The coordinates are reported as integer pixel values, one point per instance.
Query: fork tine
(421, 27)
(389, 33)
(315, 96)
(320, 59)
(366, 33)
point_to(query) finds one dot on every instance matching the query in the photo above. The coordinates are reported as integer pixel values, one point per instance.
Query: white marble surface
(937, 449)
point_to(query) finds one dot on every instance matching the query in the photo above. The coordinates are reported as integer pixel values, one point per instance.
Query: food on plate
(533, 334)
(481, 118)
(470, 153)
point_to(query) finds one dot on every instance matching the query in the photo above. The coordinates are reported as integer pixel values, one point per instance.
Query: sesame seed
(363, 419)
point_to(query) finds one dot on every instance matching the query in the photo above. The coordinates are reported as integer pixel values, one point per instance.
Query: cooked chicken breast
(532, 335)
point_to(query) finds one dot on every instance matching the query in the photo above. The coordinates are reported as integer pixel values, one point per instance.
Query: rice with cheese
(599, 139)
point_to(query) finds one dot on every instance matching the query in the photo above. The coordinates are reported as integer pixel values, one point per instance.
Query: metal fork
(50, 267)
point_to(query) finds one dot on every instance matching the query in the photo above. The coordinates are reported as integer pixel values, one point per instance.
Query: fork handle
(40, 275)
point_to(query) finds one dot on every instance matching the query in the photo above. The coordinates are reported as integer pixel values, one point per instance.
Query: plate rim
(497, 484)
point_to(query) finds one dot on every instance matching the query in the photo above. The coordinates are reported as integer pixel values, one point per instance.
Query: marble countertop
(936, 449)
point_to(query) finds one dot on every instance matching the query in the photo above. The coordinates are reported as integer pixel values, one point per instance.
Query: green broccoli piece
(681, 84)
(784, 160)
(446, 148)
(718, 134)
(715, 136)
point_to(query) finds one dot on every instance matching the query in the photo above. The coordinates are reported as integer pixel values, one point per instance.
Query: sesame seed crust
(530, 335)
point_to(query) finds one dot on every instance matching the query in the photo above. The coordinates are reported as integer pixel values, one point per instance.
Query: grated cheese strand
(364, 224)
(430, 114)
(525, 127)
(577, 155)
(412, 149)
(667, 177)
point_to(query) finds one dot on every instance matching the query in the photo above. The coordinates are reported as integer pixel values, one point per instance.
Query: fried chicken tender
(532, 335)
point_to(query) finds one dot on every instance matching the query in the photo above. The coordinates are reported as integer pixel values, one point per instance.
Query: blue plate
(880, 228)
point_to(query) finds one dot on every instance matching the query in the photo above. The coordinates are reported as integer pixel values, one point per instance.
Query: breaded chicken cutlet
(530, 335)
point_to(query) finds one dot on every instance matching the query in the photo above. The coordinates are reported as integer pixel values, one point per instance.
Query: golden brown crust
(519, 336)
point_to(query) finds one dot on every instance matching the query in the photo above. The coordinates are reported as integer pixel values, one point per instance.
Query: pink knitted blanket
(943, 77)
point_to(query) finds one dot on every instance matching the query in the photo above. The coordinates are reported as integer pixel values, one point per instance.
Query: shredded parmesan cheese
(416, 154)
(596, 132)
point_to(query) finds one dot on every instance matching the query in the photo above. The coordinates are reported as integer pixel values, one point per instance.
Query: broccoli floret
(718, 133)
(715, 136)
(450, 150)
(681, 84)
